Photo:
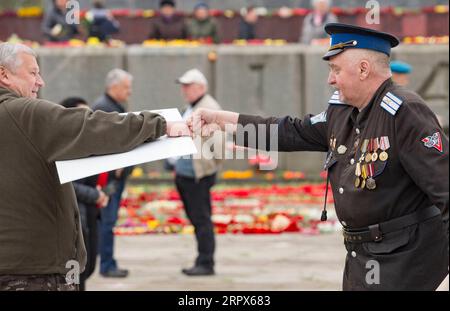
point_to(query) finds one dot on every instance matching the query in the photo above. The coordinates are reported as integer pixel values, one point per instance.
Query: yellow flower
(441, 8)
(93, 41)
(148, 13)
(228, 13)
(153, 224)
(76, 43)
(137, 172)
(32, 11)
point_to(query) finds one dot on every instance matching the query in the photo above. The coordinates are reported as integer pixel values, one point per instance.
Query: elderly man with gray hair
(40, 234)
(118, 90)
(387, 163)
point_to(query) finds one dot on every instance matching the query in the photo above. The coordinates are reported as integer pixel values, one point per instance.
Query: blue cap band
(363, 42)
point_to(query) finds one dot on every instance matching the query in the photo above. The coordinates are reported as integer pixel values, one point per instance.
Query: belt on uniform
(374, 233)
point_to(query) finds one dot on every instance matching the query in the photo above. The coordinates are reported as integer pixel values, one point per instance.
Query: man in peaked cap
(387, 162)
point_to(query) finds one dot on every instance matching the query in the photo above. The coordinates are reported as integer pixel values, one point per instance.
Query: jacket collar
(193, 104)
(360, 117)
(114, 102)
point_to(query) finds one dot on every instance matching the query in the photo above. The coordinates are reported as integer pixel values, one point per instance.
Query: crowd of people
(168, 24)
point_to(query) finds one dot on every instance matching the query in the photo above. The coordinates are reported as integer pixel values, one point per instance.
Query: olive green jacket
(39, 219)
(203, 29)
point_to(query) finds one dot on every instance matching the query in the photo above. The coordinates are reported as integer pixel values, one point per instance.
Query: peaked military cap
(345, 36)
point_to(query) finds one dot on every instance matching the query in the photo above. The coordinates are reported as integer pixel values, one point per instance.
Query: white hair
(116, 76)
(9, 55)
(379, 60)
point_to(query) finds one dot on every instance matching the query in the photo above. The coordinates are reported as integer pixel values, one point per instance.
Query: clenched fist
(205, 122)
(177, 129)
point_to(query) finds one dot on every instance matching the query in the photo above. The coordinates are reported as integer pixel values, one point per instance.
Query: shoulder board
(334, 100)
(320, 118)
(391, 103)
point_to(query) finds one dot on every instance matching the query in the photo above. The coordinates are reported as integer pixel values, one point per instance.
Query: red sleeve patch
(433, 141)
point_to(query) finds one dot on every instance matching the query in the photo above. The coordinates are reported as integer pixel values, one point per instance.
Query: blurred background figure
(100, 22)
(90, 198)
(247, 24)
(202, 26)
(194, 178)
(55, 26)
(118, 91)
(168, 25)
(315, 21)
(400, 72)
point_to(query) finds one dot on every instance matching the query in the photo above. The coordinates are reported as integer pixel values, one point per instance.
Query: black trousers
(89, 219)
(196, 199)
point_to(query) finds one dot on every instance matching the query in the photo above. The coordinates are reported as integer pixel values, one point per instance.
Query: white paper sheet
(162, 148)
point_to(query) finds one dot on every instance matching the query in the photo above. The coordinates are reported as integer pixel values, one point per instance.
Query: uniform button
(343, 223)
(357, 131)
(353, 254)
(352, 161)
(341, 190)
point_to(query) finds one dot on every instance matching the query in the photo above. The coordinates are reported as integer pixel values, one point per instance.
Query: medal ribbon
(375, 144)
(384, 143)
(370, 167)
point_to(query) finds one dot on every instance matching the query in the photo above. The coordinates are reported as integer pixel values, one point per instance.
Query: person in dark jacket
(55, 26)
(168, 25)
(118, 90)
(90, 198)
(247, 24)
(387, 162)
(101, 23)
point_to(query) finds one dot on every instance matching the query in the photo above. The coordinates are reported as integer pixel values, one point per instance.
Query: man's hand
(103, 199)
(177, 129)
(205, 122)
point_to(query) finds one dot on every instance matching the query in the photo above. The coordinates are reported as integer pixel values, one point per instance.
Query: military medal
(357, 173)
(375, 149)
(333, 142)
(368, 157)
(355, 145)
(374, 157)
(358, 169)
(370, 182)
(384, 145)
(341, 149)
(363, 175)
(363, 184)
(363, 149)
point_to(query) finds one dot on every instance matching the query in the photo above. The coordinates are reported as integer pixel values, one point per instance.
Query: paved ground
(244, 262)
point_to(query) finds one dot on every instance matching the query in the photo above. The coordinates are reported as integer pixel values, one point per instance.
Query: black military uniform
(388, 167)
